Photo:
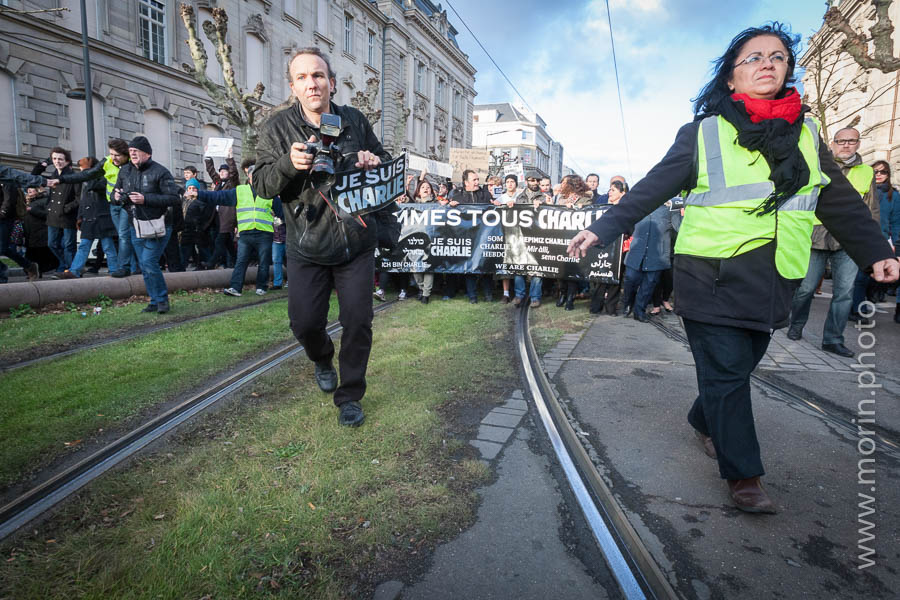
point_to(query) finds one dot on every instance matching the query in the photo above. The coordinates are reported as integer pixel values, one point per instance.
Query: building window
(8, 129)
(255, 64)
(322, 16)
(158, 129)
(420, 77)
(153, 29)
(290, 7)
(439, 93)
(78, 133)
(371, 48)
(348, 34)
(457, 105)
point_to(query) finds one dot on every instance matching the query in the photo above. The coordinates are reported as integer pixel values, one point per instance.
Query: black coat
(63, 206)
(93, 210)
(35, 222)
(746, 290)
(157, 185)
(314, 232)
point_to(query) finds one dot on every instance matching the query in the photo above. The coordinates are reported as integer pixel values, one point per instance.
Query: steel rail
(629, 560)
(45, 496)
(889, 447)
(139, 332)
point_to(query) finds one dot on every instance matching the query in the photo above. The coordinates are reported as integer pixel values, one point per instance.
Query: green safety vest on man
(731, 181)
(860, 177)
(111, 173)
(253, 212)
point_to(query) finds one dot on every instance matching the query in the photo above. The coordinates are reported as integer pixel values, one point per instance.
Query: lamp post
(88, 93)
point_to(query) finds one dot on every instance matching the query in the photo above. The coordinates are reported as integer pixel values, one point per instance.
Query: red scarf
(758, 109)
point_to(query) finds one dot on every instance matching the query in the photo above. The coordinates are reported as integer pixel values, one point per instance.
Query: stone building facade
(851, 95)
(512, 130)
(139, 85)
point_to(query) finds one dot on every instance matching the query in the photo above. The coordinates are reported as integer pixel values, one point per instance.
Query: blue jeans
(261, 241)
(534, 290)
(472, 286)
(148, 252)
(843, 274)
(277, 264)
(127, 253)
(84, 250)
(62, 244)
(638, 288)
(860, 285)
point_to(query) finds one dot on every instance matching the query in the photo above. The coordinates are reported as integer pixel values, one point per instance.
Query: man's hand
(454, 203)
(52, 183)
(367, 160)
(511, 203)
(136, 197)
(886, 271)
(190, 194)
(579, 245)
(537, 204)
(117, 194)
(301, 159)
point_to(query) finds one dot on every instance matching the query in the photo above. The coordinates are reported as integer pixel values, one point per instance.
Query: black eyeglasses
(880, 172)
(848, 142)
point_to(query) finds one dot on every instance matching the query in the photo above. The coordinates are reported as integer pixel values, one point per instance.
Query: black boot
(570, 301)
(561, 300)
(897, 314)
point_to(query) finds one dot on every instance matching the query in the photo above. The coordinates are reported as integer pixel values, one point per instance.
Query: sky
(558, 56)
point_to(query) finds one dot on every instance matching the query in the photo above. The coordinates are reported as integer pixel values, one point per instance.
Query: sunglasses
(880, 172)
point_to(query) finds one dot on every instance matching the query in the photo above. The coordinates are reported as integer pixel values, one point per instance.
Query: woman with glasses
(757, 175)
(889, 202)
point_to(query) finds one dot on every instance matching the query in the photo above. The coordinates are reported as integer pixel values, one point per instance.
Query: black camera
(325, 150)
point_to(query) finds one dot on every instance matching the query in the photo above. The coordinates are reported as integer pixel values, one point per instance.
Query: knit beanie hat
(192, 182)
(141, 143)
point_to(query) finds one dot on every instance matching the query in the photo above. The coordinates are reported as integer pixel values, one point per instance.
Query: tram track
(129, 335)
(775, 389)
(630, 562)
(44, 497)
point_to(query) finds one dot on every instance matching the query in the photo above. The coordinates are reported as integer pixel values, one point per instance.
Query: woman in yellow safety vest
(756, 175)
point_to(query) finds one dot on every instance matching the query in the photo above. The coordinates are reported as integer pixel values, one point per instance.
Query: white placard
(219, 147)
(440, 169)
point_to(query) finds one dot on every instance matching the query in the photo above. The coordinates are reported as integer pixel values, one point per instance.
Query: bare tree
(240, 109)
(856, 44)
(365, 102)
(829, 80)
(402, 117)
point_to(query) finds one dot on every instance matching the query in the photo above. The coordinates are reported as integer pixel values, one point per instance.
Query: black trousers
(308, 297)
(725, 357)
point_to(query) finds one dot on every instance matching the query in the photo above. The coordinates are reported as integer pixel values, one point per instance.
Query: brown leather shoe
(707, 442)
(749, 496)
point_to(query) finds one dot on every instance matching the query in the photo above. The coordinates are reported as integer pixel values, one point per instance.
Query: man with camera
(299, 150)
(147, 189)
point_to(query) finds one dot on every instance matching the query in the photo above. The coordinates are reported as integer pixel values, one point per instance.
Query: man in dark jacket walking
(8, 204)
(147, 190)
(325, 251)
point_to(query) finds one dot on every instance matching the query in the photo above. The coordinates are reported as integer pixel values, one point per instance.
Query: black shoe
(794, 333)
(326, 377)
(897, 314)
(561, 300)
(424, 299)
(32, 271)
(570, 302)
(277, 287)
(150, 308)
(94, 270)
(854, 317)
(626, 312)
(120, 273)
(642, 317)
(351, 414)
(473, 300)
(839, 349)
(162, 308)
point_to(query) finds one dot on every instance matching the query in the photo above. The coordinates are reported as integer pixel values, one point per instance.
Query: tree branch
(857, 44)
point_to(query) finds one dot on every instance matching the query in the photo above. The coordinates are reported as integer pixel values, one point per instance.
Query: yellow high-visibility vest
(253, 212)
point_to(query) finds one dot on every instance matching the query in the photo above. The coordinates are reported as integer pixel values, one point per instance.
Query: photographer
(325, 250)
(147, 189)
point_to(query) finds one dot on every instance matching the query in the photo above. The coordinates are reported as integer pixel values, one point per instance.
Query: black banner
(492, 239)
(362, 191)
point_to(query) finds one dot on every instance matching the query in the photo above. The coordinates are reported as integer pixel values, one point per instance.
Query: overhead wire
(511, 84)
(612, 43)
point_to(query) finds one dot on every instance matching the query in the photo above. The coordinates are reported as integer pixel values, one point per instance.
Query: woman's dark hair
(887, 167)
(716, 90)
(87, 162)
(419, 188)
(618, 185)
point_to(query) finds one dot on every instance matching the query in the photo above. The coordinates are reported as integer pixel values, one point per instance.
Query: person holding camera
(147, 189)
(326, 249)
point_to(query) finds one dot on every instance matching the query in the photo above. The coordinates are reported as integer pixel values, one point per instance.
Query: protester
(573, 194)
(256, 228)
(8, 209)
(889, 207)
(37, 250)
(734, 281)
(648, 256)
(278, 247)
(605, 295)
(826, 248)
(62, 209)
(196, 243)
(227, 178)
(425, 281)
(593, 182)
(96, 223)
(23, 179)
(191, 172)
(472, 193)
(146, 189)
(325, 252)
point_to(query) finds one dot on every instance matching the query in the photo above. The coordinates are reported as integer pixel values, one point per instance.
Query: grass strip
(26, 335)
(50, 408)
(272, 498)
(549, 323)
